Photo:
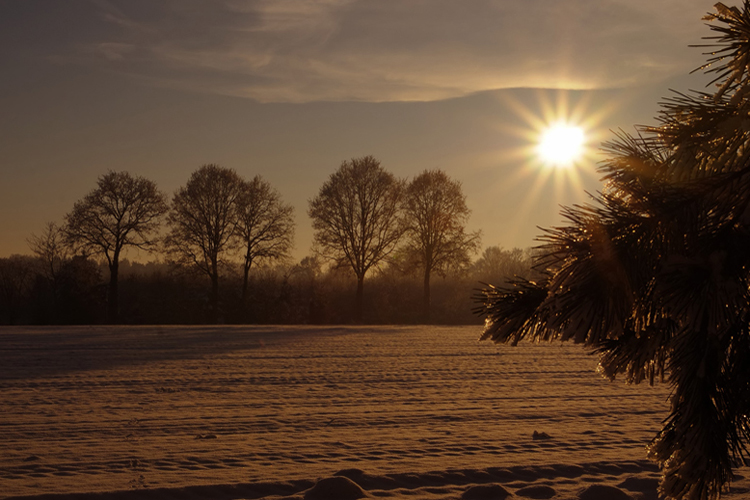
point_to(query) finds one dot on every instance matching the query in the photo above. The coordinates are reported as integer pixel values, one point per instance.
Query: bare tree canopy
(265, 225)
(655, 277)
(435, 215)
(52, 249)
(121, 211)
(203, 223)
(356, 217)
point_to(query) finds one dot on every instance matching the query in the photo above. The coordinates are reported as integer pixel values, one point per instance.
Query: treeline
(224, 253)
(306, 292)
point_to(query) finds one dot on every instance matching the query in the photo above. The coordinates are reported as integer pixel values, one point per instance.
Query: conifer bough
(654, 276)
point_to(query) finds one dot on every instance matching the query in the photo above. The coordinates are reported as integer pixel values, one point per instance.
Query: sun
(547, 157)
(561, 144)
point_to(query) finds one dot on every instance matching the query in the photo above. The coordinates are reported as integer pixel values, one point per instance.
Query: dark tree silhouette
(656, 276)
(81, 292)
(16, 277)
(122, 211)
(356, 217)
(265, 225)
(203, 224)
(435, 216)
(52, 250)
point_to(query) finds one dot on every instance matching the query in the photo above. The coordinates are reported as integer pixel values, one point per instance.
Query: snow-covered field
(316, 413)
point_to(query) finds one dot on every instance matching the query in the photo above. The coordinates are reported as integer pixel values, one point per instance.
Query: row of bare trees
(363, 216)
(363, 212)
(214, 214)
(217, 212)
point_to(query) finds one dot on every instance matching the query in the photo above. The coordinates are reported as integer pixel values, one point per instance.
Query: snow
(278, 412)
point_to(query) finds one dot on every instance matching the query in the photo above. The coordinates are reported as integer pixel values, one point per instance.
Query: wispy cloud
(385, 50)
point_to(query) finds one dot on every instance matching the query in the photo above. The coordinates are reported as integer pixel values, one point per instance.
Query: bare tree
(203, 223)
(356, 217)
(265, 225)
(436, 214)
(122, 211)
(52, 249)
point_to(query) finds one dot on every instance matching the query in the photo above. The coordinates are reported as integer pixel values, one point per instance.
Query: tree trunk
(213, 298)
(245, 281)
(113, 292)
(11, 308)
(426, 296)
(244, 313)
(359, 302)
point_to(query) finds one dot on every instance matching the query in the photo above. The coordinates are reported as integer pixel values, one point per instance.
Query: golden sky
(288, 89)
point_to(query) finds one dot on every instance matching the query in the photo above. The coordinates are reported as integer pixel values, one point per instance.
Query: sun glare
(561, 145)
(553, 162)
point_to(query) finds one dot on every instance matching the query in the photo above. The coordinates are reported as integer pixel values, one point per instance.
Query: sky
(289, 89)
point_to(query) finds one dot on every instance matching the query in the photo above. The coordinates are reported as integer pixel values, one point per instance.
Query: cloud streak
(390, 50)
